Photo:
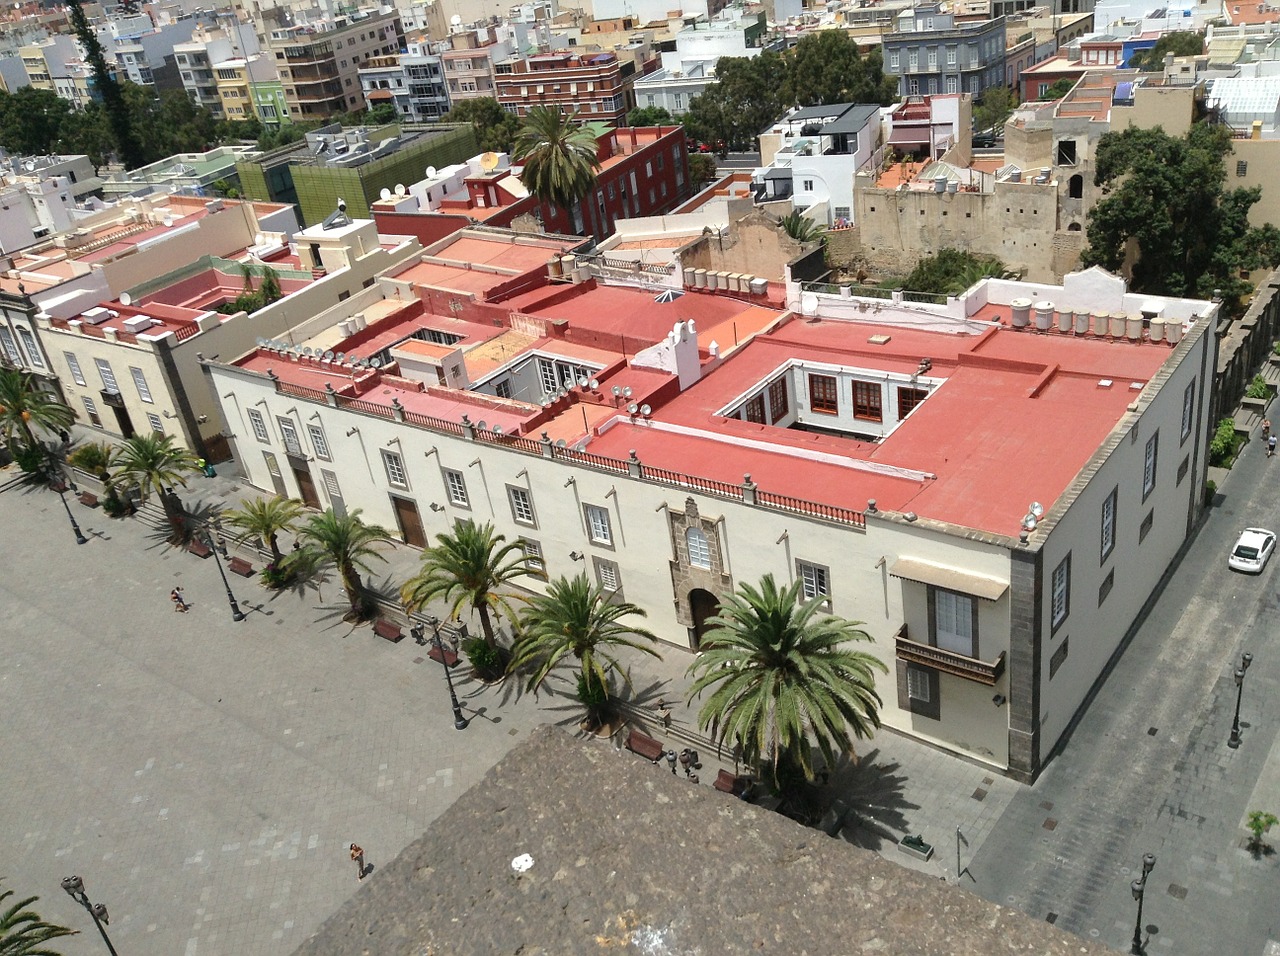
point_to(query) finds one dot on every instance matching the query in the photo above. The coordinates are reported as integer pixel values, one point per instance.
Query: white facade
(813, 154)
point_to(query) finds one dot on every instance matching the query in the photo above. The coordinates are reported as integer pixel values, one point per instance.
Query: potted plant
(487, 662)
(1259, 823)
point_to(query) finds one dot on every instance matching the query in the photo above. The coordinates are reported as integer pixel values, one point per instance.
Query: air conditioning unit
(96, 315)
(138, 323)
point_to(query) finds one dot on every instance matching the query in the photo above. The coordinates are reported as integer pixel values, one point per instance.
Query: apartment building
(596, 86)
(413, 81)
(930, 52)
(672, 450)
(246, 86)
(319, 62)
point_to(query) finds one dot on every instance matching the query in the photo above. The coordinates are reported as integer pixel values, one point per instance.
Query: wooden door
(410, 522)
(306, 486)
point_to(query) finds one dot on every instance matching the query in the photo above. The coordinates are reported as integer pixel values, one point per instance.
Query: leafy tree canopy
(651, 116)
(382, 114)
(952, 271)
(827, 67)
(1184, 43)
(702, 168)
(1165, 199)
(496, 129)
(1059, 89)
(997, 103)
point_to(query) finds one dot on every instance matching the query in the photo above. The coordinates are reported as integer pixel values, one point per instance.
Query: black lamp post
(61, 488)
(1245, 660)
(75, 889)
(459, 721)
(1139, 889)
(236, 613)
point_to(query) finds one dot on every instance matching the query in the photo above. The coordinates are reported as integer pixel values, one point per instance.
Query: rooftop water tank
(1133, 327)
(1021, 312)
(1173, 331)
(1044, 316)
(1064, 320)
(699, 278)
(1116, 324)
(1082, 321)
(939, 184)
(1157, 330)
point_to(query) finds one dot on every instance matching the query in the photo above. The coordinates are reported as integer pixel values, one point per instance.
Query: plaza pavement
(204, 777)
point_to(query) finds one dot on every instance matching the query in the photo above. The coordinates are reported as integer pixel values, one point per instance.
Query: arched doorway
(1075, 187)
(703, 605)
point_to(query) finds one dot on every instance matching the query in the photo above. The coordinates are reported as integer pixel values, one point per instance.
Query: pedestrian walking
(1266, 428)
(357, 854)
(179, 602)
(1271, 446)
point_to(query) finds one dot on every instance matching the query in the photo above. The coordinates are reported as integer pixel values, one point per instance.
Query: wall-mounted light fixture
(576, 555)
(999, 700)
(352, 431)
(436, 506)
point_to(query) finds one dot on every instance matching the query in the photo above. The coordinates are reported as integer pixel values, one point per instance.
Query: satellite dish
(582, 382)
(646, 411)
(626, 392)
(307, 351)
(489, 161)
(616, 391)
(353, 360)
(633, 408)
(328, 355)
(376, 363)
(400, 190)
(339, 357)
(260, 342)
(126, 298)
(482, 425)
(384, 193)
(560, 443)
(431, 172)
(595, 383)
(456, 20)
(497, 429)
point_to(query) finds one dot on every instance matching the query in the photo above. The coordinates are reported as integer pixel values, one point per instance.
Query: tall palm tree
(468, 567)
(575, 617)
(262, 520)
(23, 403)
(801, 228)
(152, 463)
(560, 156)
(345, 542)
(782, 676)
(23, 932)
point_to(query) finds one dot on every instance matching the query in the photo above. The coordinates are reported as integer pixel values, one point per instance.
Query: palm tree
(152, 463)
(577, 618)
(345, 542)
(262, 520)
(23, 932)
(95, 458)
(783, 677)
(468, 567)
(801, 228)
(24, 403)
(560, 156)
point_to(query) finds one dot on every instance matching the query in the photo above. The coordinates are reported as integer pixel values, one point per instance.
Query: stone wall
(1244, 345)
(754, 245)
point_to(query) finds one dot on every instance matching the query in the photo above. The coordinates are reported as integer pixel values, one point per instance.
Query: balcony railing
(949, 662)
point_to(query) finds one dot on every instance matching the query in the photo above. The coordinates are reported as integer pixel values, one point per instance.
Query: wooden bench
(241, 567)
(443, 653)
(199, 548)
(727, 782)
(88, 499)
(644, 745)
(387, 629)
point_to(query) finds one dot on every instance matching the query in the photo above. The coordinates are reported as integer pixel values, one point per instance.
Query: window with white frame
(259, 425)
(74, 365)
(607, 575)
(521, 505)
(954, 622)
(598, 525)
(814, 581)
(289, 434)
(29, 343)
(533, 559)
(153, 420)
(699, 548)
(1109, 524)
(918, 685)
(10, 346)
(318, 441)
(92, 411)
(1188, 409)
(394, 466)
(456, 485)
(140, 381)
(1061, 592)
(108, 377)
(1149, 465)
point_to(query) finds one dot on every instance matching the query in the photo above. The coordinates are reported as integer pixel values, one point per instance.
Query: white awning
(952, 579)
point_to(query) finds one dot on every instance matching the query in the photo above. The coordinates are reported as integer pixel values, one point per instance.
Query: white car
(1252, 550)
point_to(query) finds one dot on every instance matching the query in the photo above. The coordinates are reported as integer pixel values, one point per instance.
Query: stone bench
(730, 783)
(88, 499)
(443, 654)
(241, 567)
(388, 630)
(644, 745)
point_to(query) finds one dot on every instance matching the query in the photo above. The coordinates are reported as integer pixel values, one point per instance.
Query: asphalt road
(1148, 769)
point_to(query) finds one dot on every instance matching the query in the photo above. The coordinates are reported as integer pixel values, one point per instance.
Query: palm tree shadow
(872, 792)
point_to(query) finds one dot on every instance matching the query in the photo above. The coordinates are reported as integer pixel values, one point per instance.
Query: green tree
(25, 406)
(782, 679)
(702, 168)
(651, 116)
(952, 271)
(32, 121)
(93, 457)
(153, 463)
(826, 67)
(107, 89)
(23, 932)
(382, 115)
(801, 228)
(560, 157)
(496, 129)
(576, 618)
(748, 95)
(1165, 198)
(996, 105)
(1059, 89)
(262, 520)
(468, 568)
(1182, 43)
(344, 542)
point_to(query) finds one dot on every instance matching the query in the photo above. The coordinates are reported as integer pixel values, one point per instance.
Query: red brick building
(643, 172)
(596, 85)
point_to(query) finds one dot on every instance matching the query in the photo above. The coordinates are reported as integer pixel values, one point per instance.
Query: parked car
(1252, 550)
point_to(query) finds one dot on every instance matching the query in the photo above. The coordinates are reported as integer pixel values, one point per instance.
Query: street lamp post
(1139, 890)
(459, 721)
(1245, 660)
(61, 488)
(75, 889)
(236, 613)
